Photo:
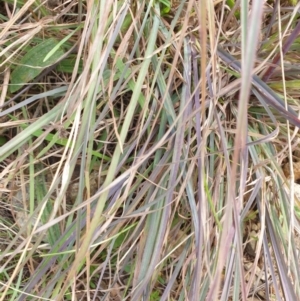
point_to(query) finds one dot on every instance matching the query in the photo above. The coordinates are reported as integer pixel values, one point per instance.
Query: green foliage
(33, 63)
(155, 296)
(3, 140)
(165, 6)
(231, 4)
(67, 65)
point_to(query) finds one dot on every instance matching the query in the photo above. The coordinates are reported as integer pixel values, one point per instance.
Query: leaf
(67, 65)
(3, 140)
(32, 63)
(165, 6)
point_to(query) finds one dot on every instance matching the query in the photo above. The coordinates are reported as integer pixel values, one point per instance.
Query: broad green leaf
(3, 140)
(32, 63)
(67, 65)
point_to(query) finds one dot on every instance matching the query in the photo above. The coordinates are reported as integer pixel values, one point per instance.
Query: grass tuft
(149, 150)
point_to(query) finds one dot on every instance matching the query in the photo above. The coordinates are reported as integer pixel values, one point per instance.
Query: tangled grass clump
(141, 151)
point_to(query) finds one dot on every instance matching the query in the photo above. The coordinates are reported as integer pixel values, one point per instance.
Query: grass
(141, 149)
